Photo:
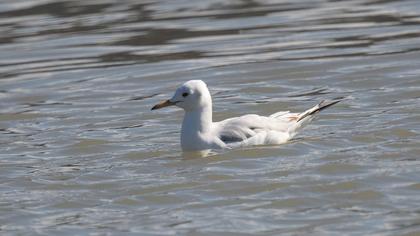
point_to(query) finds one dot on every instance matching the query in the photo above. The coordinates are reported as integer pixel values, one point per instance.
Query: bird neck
(200, 120)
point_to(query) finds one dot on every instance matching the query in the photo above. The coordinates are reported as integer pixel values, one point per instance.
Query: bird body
(199, 132)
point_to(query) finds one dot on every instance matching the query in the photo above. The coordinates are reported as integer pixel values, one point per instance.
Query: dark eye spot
(185, 94)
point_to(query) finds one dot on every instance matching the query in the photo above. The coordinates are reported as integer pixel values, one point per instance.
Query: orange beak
(163, 104)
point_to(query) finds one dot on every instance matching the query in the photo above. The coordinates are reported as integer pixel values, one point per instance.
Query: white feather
(199, 132)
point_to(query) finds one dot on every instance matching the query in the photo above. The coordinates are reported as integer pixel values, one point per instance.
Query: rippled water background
(82, 154)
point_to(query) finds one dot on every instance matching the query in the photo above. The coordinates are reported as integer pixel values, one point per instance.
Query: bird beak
(163, 104)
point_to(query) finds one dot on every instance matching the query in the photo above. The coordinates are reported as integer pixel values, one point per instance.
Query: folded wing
(245, 127)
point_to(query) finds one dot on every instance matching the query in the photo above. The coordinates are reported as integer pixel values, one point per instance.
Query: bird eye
(185, 94)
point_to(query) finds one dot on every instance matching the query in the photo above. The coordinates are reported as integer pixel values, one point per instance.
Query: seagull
(200, 133)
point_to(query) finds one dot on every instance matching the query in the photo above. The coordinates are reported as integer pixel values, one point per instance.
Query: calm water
(82, 154)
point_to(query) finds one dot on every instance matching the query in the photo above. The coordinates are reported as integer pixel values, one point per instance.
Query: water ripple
(81, 153)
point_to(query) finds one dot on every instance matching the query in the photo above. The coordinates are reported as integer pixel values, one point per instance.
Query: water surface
(82, 154)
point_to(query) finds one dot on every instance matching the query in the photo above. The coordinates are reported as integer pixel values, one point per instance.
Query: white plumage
(199, 132)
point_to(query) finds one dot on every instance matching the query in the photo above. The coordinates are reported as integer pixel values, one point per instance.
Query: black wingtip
(321, 106)
(328, 104)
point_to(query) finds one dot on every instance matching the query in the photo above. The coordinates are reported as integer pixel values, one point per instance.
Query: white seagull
(200, 133)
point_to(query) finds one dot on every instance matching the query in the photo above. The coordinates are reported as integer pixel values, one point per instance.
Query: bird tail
(306, 116)
(319, 107)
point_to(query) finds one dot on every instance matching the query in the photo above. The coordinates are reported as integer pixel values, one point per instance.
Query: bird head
(192, 95)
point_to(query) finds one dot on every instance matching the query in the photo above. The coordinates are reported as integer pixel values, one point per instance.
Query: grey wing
(242, 128)
(233, 134)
